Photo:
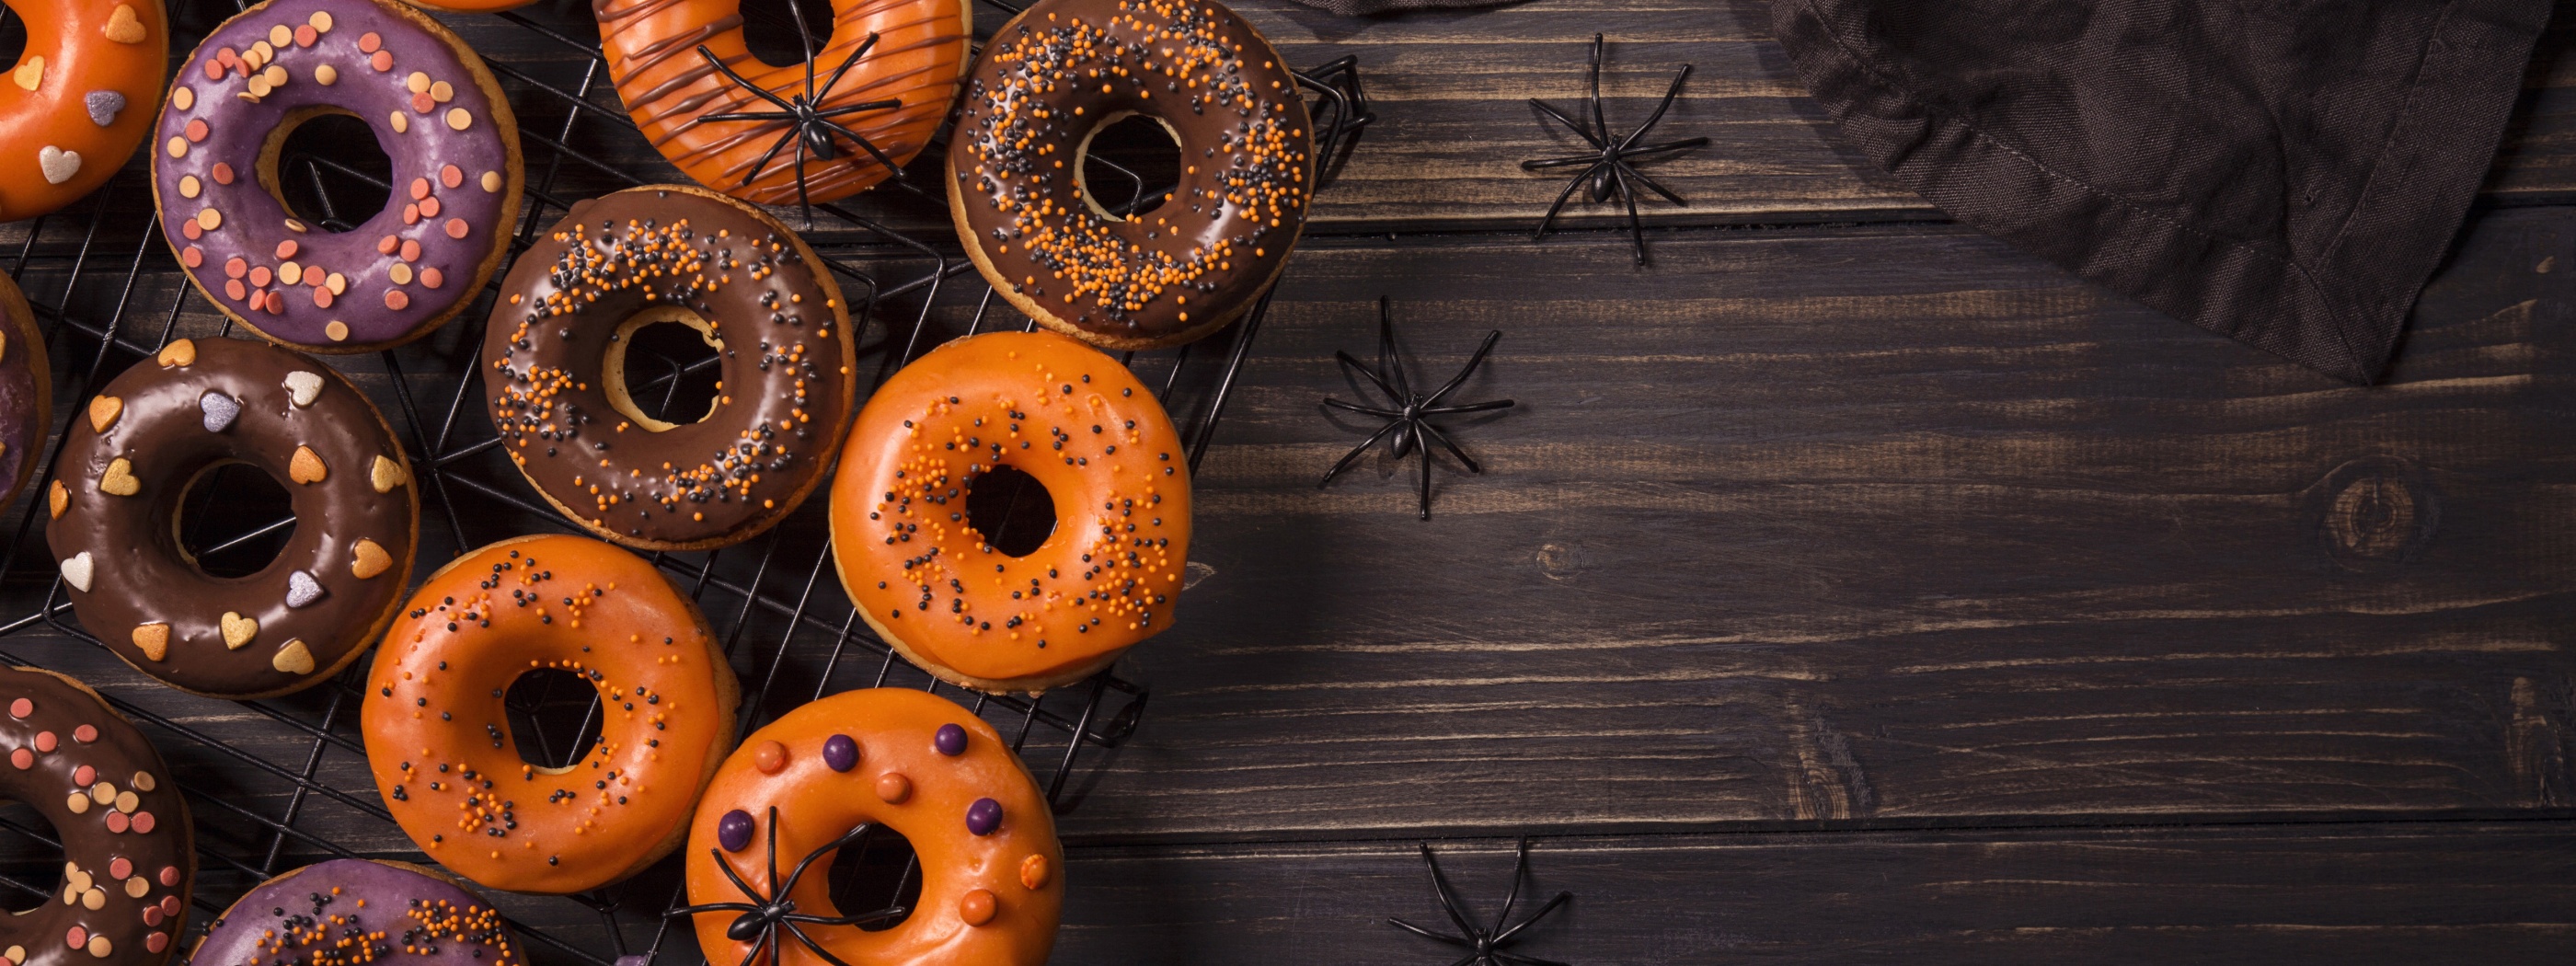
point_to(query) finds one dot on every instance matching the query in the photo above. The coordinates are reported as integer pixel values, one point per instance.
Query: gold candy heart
(238, 630)
(59, 498)
(123, 27)
(294, 658)
(154, 639)
(103, 411)
(120, 480)
(30, 74)
(182, 353)
(386, 474)
(306, 467)
(371, 560)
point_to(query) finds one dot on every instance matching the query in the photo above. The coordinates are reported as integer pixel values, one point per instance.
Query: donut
(129, 459)
(129, 853)
(555, 375)
(434, 108)
(935, 589)
(991, 870)
(439, 741)
(397, 914)
(26, 390)
(65, 126)
(1065, 69)
(909, 52)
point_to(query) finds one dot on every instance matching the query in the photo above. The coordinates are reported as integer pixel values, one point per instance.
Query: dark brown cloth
(2284, 172)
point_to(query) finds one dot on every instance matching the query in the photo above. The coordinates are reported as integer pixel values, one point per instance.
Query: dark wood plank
(1868, 525)
(2487, 894)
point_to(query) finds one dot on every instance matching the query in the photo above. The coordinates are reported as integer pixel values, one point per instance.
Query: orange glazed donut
(80, 100)
(815, 780)
(935, 589)
(892, 65)
(439, 742)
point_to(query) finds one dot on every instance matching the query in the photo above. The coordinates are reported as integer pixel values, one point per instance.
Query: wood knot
(2374, 513)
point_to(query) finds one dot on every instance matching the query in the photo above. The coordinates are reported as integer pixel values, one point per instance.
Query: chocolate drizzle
(1065, 69)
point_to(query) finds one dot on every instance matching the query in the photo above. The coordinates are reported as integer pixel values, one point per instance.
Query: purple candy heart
(983, 817)
(840, 752)
(103, 106)
(951, 740)
(220, 410)
(733, 831)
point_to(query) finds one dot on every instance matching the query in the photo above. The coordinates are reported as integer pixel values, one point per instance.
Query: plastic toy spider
(1487, 944)
(761, 920)
(1611, 170)
(1409, 420)
(809, 124)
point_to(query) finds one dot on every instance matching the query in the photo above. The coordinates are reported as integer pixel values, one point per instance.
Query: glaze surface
(26, 390)
(128, 846)
(357, 912)
(79, 100)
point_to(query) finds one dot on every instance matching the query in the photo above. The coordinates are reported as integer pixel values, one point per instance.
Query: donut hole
(663, 368)
(1129, 164)
(325, 166)
(876, 872)
(13, 37)
(769, 29)
(1011, 510)
(554, 718)
(233, 520)
(32, 860)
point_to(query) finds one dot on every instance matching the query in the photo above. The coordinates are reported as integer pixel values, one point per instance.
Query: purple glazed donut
(408, 916)
(434, 108)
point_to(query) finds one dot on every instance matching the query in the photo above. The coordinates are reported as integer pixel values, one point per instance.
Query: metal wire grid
(259, 789)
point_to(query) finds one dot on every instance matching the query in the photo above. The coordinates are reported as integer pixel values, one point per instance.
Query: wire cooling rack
(276, 784)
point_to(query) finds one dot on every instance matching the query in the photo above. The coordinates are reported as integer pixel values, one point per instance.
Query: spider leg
(1642, 150)
(1426, 468)
(1542, 912)
(763, 163)
(809, 943)
(1660, 107)
(835, 845)
(1636, 227)
(1561, 198)
(1632, 173)
(849, 62)
(892, 169)
(1448, 897)
(1467, 370)
(1373, 379)
(1543, 164)
(1364, 410)
(1390, 358)
(804, 201)
(1516, 959)
(804, 46)
(710, 907)
(1428, 934)
(850, 920)
(738, 883)
(750, 116)
(775, 893)
(1468, 408)
(886, 104)
(1354, 455)
(1520, 866)
(1571, 124)
(754, 952)
(763, 92)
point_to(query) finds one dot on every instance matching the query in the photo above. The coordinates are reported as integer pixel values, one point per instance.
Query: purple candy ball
(733, 831)
(984, 816)
(840, 752)
(951, 740)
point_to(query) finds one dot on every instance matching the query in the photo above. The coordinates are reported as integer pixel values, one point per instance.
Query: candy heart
(307, 466)
(371, 560)
(123, 27)
(103, 411)
(103, 106)
(76, 571)
(302, 589)
(119, 480)
(30, 73)
(58, 498)
(238, 630)
(57, 164)
(182, 353)
(301, 387)
(294, 658)
(220, 410)
(153, 639)
(386, 474)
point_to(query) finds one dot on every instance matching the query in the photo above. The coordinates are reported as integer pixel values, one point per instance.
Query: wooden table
(1845, 586)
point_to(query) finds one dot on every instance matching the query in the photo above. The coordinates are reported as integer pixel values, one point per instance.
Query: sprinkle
(459, 119)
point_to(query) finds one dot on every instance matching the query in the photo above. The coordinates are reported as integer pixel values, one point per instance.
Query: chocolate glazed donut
(129, 851)
(555, 353)
(26, 390)
(434, 108)
(128, 461)
(1055, 76)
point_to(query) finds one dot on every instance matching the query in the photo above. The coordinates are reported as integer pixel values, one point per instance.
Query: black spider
(1488, 944)
(809, 123)
(1609, 170)
(762, 918)
(1409, 420)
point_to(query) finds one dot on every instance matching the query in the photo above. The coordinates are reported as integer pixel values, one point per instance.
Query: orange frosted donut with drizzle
(936, 589)
(817, 780)
(439, 740)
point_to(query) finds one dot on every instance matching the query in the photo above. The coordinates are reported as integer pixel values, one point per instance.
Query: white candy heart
(220, 410)
(76, 571)
(302, 589)
(58, 165)
(301, 387)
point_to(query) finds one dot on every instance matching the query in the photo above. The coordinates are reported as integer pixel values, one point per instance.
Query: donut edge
(31, 338)
(187, 819)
